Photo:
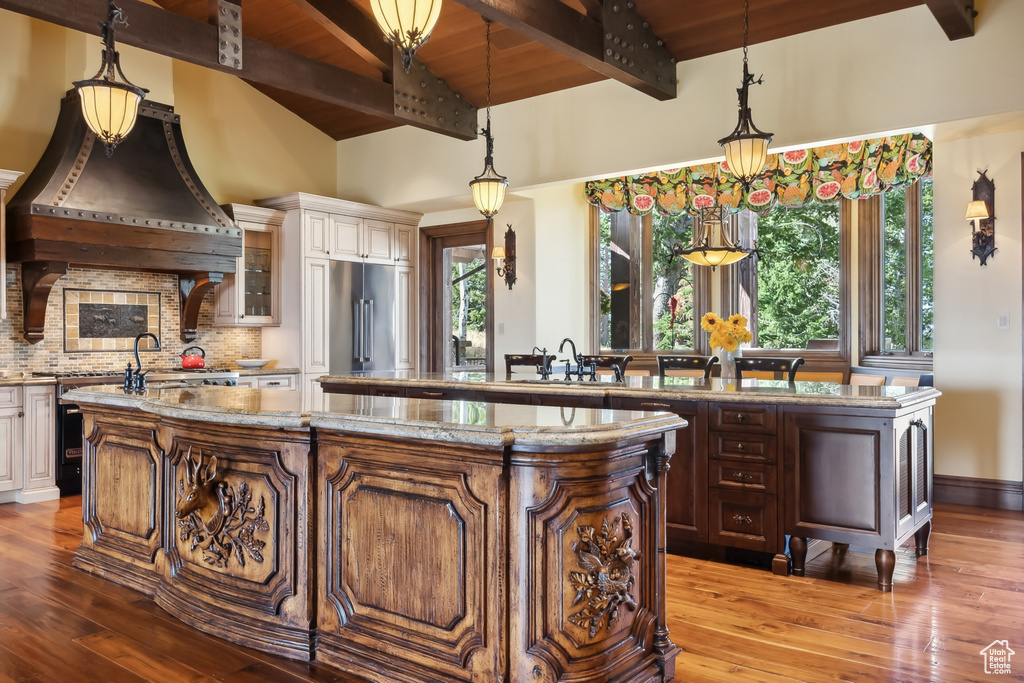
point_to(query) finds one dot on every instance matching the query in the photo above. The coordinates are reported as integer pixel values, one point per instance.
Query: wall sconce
(505, 258)
(980, 212)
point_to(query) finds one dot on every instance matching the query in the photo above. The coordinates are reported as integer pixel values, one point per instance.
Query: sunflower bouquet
(726, 334)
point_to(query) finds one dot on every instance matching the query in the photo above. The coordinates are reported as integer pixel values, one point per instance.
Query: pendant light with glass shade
(746, 148)
(488, 187)
(712, 244)
(406, 23)
(110, 106)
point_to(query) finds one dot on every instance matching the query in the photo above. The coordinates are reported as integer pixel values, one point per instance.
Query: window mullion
(912, 242)
(870, 268)
(647, 282)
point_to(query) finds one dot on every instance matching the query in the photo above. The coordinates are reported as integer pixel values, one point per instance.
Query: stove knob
(230, 383)
(206, 381)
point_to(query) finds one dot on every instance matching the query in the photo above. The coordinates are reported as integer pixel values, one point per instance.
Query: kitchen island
(761, 465)
(397, 539)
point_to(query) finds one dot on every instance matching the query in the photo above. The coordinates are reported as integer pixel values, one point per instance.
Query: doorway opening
(457, 324)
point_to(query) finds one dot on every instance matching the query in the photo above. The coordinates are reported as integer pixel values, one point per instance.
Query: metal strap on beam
(563, 29)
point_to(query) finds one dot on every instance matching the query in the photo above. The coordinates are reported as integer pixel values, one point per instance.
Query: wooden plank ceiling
(521, 67)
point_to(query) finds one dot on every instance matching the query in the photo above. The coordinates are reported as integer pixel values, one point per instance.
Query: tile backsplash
(222, 344)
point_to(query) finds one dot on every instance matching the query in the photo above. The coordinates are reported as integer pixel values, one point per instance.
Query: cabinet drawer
(742, 519)
(440, 394)
(745, 476)
(288, 382)
(742, 417)
(10, 397)
(740, 446)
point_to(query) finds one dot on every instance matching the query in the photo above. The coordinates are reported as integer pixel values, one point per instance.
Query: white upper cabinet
(251, 296)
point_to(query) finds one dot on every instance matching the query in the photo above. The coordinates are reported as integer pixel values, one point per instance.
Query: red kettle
(191, 360)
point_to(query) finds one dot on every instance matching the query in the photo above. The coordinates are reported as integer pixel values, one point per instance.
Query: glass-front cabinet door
(252, 295)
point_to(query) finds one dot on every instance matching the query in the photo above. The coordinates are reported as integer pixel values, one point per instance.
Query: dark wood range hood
(142, 208)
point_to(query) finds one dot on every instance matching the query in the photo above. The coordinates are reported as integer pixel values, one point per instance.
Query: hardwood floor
(732, 622)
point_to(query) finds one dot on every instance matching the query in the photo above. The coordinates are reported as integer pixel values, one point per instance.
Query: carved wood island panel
(396, 539)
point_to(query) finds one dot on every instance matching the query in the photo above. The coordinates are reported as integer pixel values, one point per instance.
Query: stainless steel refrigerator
(362, 323)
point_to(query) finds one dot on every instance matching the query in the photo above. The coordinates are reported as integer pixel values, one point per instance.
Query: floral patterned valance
(818, 174)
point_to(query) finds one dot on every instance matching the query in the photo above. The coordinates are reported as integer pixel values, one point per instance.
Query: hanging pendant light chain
(488, 63)
(746, 29)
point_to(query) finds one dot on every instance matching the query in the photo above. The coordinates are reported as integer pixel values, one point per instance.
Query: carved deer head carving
(199, 485)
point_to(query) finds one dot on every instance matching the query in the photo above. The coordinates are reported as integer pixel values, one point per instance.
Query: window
(795, 295)
(797, 281)
(896, 272)
(646, 295)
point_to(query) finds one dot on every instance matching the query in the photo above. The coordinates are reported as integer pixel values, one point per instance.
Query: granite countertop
(251, 372)
(474, 422)
(660, 389)
(21, 380)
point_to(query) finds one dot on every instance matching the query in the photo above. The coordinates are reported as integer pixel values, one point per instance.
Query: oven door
(69, 449)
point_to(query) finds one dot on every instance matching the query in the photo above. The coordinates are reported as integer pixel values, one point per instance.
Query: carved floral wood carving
(607, 579)
(232, 527)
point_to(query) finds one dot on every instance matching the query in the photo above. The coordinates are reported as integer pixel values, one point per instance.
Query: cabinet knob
(740, 417)
(740, 447)
(742, 519)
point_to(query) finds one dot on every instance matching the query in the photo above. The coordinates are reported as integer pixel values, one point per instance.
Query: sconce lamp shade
(746, 154)
(110, 109)
(498, 253)
(406, 23)
(977, 209)
(488, 190)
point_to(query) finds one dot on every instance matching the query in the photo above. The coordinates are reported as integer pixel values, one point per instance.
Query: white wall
(977, 366)
(892, 72)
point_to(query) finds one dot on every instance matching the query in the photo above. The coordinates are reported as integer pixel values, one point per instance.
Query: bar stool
(686, 366)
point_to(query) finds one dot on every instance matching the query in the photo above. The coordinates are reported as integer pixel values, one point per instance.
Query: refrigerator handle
(357, 330)
(369, 328)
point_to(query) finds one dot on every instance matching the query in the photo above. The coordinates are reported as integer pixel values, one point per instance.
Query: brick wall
(222, 344)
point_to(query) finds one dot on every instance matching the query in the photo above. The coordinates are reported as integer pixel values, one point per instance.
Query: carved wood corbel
(192, 287)
(37, 278)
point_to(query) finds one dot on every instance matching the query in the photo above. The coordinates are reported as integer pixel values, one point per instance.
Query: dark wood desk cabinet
(769, 474)
(859, 479)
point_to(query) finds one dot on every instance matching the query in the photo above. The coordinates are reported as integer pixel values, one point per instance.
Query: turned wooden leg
(885, 564)
(921, 538)
(798, 551)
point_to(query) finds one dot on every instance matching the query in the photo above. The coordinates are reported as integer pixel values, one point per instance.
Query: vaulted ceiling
(326, 61)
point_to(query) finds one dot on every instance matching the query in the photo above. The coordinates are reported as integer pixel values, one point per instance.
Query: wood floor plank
(732, 622)
(135, 657)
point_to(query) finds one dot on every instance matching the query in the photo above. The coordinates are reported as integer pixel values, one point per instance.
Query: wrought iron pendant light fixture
(746, 148)
(406, 23)
(488, 187)
(110, 106)
(712, 244)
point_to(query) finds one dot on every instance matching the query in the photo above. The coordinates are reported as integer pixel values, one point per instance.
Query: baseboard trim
(995, 494)
(30, 496)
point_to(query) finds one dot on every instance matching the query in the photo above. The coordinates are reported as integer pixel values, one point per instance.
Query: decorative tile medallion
(98, 320)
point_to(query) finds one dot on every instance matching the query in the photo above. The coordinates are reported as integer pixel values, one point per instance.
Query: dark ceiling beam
(172, 35)
(588, 41)
(347, 23)
(956, 17)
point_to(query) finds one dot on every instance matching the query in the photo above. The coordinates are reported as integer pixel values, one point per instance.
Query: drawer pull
(742, 519)
(433, 393)
(741, 417)
(740, 447)
(655, 405)
(273, 384)
(742, 476)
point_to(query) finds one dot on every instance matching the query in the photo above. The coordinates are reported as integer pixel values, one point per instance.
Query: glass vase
(727, 361)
